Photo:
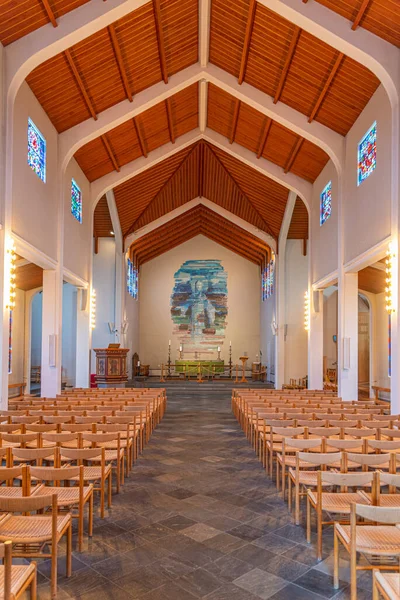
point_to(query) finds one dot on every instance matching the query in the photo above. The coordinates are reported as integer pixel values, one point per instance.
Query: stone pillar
(348, 336)
(316, 341)
(51, 333)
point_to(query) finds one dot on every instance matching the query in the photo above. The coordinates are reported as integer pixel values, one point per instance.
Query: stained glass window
(267, 282)
(36, 151)
(325, 203)
(132, 279)
(367, 154)
(76, 201)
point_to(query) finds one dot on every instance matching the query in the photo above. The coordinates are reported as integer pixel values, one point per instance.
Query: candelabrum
(230, 361)
(169, 360)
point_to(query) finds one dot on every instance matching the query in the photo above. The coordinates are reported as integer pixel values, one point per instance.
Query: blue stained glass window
(267, 282)
(36, 151)
(367, 154)
(325, 203)
(132, 279)
(76, 201)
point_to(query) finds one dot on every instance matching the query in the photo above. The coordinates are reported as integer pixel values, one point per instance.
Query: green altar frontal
(191, 367)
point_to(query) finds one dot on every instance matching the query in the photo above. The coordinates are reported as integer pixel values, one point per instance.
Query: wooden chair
(386, 586)
(15, 579)
(68, 497)
(338, 503)
(382, 540)
(111, 442)
(30, 534)
(99, 476)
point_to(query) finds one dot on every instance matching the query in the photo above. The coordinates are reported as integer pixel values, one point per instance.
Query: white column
(348, 336)
(316, 341)
(280, 293)
(119, 267)
(51, 333)
(82, 338)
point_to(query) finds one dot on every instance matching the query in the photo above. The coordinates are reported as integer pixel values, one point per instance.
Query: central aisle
(198, 518)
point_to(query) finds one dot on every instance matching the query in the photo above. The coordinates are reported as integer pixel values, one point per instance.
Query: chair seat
(19, 575)
(11, 492)
(93, 473)
(32, 529)
(308, 478)
(290, 461)
(66, 496)
(390, 583)
(338, 503)
(388, 500)
(370, 539)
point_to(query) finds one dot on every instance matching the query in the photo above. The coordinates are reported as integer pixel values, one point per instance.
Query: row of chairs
(53, 463)
(348, 474)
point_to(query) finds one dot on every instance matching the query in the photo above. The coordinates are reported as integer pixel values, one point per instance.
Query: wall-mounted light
(10, 275)
(306, 311)
(389, 279)
(93, 309)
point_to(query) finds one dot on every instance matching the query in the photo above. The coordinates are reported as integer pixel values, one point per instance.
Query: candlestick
(230, 359)
(169, 359)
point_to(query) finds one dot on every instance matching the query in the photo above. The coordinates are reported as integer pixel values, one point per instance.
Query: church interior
(199, 286)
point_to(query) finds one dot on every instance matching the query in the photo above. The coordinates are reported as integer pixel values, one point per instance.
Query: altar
(207, 367)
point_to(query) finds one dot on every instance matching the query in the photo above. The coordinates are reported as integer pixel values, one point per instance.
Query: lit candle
(219, 348)
(169, 342)
(180, 348)
(230, 344)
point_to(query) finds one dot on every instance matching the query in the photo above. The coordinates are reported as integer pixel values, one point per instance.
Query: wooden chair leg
(91, 514)
(297, 505)
(53, 582)
(69, 551)
(33, 590)
(308, 520)
(335, 560)
(353, 572)
(109, 491)
(102, 493)
(375, 592)
(80, 527)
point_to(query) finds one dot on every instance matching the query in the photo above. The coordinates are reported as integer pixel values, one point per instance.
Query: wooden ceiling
(20, 17)
(243, 124)
(145, 47)
(272, 54)
(28, 277)
(138, 136)
(372, 280)
(200, 220)
(202, 170)
(298, 229)
(381, 17)
(102, 220)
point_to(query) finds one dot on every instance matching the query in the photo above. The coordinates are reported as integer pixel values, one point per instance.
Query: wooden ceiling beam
(201, 170)
(80, 84)
(158, 236)
(234, 243)
(264, 137)
(326, 87)
(234, 122)
(213, 235)
(288, 61)
(231, 228)
(120, 61)
(160, 39)
(170, 120)
(141, 139)
(365, 4)
(110, 152)
(247, 40)
(296, 149)
(179, 237)
(49, 12)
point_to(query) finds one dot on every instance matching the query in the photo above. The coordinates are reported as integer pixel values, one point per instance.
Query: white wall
(77, 236)
(296, 282)
(367, 208)
(381, 341)
(132, 338)
(104, 284)
(268, 339)
(34, 203)
(68, 361)
(18, 339)
(36, 330)
(156, 285)
(330, 325)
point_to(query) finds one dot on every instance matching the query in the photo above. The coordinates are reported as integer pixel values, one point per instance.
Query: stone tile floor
(199, 518)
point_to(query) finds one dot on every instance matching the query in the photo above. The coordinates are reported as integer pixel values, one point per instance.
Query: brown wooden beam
(360, 14)
(96, 244)
(235, 122)
(294, 153)
(49, 12)
(326, 87)
(120, 61)
(247, 40)
(304, 247)
(160, 39)
(201, 170)
(80, 83)
(164, 234)
(110, 152)
(170, 120)
(141, 139)
(264, 138)
(288, 61)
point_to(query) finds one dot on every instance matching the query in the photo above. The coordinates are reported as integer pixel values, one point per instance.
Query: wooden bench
(19, 387)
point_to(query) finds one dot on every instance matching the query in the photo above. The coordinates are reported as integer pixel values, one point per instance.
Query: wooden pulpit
(111, 367)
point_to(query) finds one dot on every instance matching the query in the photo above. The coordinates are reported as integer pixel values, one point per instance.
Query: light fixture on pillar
(306, 311)
(93, 309)
(389, 279)
(10, 275)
